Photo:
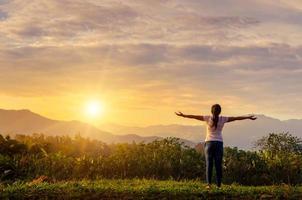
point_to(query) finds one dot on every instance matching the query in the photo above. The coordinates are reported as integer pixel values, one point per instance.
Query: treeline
(278, 159)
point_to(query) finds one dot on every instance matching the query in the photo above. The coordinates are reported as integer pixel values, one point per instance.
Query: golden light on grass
(94, 109)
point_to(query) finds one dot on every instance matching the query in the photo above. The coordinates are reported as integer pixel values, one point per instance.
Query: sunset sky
(145, 59)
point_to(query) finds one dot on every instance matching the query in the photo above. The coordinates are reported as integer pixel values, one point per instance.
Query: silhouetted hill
(26, 122)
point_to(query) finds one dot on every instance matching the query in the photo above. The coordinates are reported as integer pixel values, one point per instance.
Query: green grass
(142, 189)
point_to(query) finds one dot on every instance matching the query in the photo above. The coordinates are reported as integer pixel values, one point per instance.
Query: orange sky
(146, 59)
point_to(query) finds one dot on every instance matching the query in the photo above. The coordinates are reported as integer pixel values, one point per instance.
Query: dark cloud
(63, 19)
(257, 58)
(3, 15)
(265, 11)
(222, 22)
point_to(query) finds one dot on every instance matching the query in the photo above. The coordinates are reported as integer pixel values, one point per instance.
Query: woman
(214, 141)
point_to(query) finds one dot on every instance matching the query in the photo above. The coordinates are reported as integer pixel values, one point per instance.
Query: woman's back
(214, 133)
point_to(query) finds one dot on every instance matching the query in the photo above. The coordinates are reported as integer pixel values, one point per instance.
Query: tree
(283, 155)
(282, 142)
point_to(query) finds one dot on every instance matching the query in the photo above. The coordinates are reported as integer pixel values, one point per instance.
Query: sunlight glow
(94, 109)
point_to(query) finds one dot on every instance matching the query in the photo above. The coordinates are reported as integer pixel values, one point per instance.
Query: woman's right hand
(179, 114)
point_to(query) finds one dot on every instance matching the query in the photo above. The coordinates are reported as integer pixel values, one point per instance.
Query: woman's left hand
(252, 117)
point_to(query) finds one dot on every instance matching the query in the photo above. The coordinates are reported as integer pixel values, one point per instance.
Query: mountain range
(242, 134)
(25, 122)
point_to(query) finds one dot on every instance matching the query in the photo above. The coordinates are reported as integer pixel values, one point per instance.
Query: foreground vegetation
(61, 167)
(278, 160)
(142, 189)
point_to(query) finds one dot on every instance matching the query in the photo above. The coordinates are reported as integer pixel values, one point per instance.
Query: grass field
(142, 189)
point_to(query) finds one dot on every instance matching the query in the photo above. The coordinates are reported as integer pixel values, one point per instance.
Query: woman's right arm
(198, 117)
(251, 117)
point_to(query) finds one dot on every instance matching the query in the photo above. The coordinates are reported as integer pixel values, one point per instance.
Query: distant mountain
(192, 133)
(242, 134)
(26, 122)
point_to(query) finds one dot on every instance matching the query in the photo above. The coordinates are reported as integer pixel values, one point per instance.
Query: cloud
(154, 53)
(3, 15)
(243, 70)
(53, 22)
(65, 22)
(57, 23)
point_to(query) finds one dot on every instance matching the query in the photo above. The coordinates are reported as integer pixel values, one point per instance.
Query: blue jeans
(214, 152)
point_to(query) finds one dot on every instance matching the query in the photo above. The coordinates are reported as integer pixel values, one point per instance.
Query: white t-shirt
(214, 134)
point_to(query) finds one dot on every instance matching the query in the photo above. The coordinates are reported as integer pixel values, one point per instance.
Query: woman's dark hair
(216, 110)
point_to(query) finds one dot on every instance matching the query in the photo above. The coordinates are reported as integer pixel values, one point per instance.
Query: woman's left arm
(251, 117)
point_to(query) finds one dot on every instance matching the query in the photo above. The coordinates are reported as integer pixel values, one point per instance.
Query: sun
(94, 109)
